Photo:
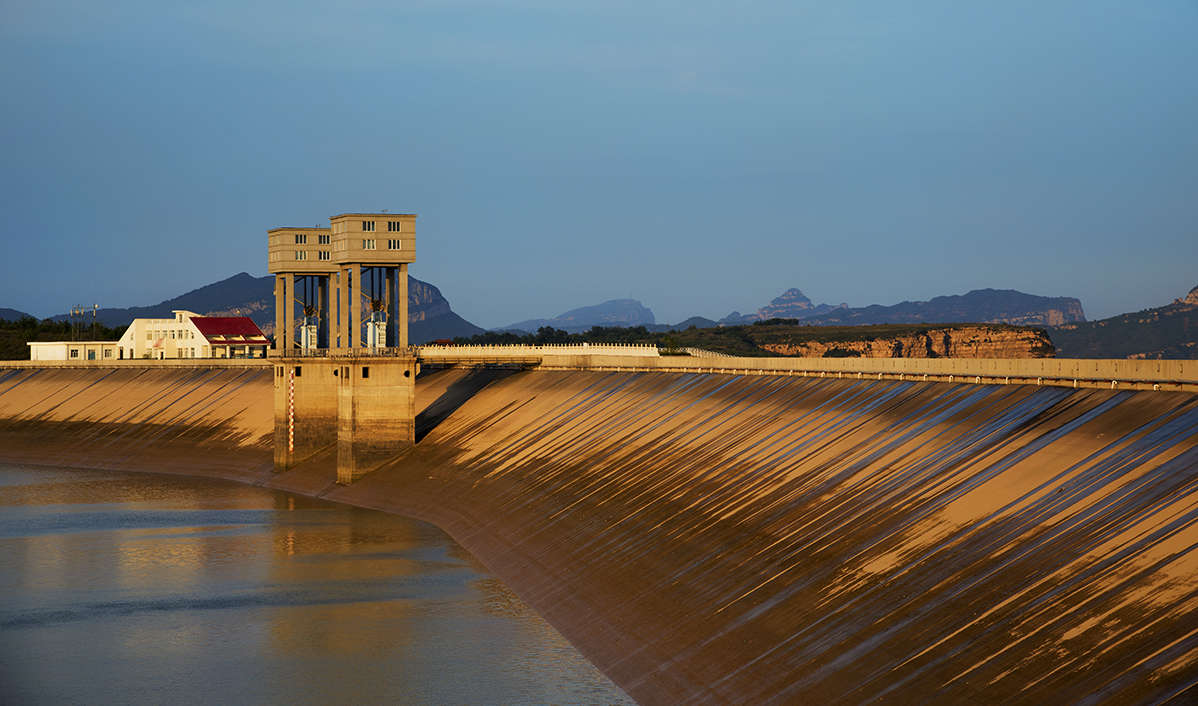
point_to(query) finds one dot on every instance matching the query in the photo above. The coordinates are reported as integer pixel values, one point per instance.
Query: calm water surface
(153, 589)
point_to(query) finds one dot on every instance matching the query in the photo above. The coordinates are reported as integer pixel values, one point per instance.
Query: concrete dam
(719, 538)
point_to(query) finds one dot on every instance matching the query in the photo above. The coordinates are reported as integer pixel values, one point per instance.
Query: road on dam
(727, 539)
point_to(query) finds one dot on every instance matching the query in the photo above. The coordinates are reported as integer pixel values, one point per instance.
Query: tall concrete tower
(344, 373)
(335, 285)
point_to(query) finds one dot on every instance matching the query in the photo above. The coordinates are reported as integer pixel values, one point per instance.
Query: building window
(395, 245)
(74, 352)
(301, 254)
(365, 372)
(368, 226)
(393, 226)
(301, 239)
(107, 352)
(323, 239)
(368, 244)
(324, 254)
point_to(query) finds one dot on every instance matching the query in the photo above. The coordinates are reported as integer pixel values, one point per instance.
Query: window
(323, 239)
(301, 254)
(368, 244)
(365, 372)
(368, 226)
(107, 352)
(395, 245)
(301, 239)
(324, 255)
(393, 226)
(149, 336)
(74, 352)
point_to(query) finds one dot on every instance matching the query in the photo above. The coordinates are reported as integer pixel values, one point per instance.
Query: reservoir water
(155, 589)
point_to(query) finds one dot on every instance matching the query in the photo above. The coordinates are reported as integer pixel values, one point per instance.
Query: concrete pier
(365, 406)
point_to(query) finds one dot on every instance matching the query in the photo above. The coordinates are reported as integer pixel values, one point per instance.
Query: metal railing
(390, 352)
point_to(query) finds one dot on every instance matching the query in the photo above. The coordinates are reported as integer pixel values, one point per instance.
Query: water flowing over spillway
(722, 539)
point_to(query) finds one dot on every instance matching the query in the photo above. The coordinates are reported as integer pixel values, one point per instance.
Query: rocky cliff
(957, 342)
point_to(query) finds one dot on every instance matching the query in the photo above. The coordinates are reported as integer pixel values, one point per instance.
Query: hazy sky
(700, 157)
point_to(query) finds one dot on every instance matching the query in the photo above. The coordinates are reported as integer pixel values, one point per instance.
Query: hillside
(1167, 332)
(784, 338)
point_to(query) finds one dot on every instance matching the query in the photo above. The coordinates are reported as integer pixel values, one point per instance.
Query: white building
(74, 351)
(189, 335)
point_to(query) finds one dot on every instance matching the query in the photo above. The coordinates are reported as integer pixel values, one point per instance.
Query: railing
(408, 352)
(701, 353)
(549, 349)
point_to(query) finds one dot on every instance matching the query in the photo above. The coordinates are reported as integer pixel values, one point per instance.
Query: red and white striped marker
(291, 412)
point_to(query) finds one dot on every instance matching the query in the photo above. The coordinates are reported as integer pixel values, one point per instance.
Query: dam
(728, 534)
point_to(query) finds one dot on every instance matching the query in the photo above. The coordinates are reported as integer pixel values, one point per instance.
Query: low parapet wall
(1175, 375)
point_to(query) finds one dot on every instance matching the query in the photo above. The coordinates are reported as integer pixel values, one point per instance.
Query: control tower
(345, 286)
(344, 374)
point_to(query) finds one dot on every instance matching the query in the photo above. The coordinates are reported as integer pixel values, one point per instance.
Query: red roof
(226, 327)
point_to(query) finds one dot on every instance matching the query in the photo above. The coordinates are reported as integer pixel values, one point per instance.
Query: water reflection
(142, 589)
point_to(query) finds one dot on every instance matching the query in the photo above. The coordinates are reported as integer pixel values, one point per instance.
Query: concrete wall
(715, 539)
(720, 539)
(305, 409)
(377, 418)
(212, 420)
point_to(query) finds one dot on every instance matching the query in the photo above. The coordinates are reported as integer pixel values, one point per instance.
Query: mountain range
(1165, 332)
(988, 306)
(429, 315)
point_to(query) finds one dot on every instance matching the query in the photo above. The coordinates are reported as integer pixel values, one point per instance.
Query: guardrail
(407, 352)
(631, 349)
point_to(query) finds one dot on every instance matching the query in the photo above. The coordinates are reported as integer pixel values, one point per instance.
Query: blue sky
(700, 157)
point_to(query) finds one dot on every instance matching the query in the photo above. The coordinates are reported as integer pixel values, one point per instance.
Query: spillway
(723, 539)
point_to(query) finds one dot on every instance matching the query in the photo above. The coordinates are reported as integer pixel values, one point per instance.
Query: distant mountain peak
(792, 304)
(616, 312)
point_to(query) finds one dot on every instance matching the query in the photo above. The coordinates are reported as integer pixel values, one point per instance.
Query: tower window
(368, 226)
(301, 255)
(301, 239)
(324, 254)
(368, 244)
(323, 239)
(395, 245)
(394, 226)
